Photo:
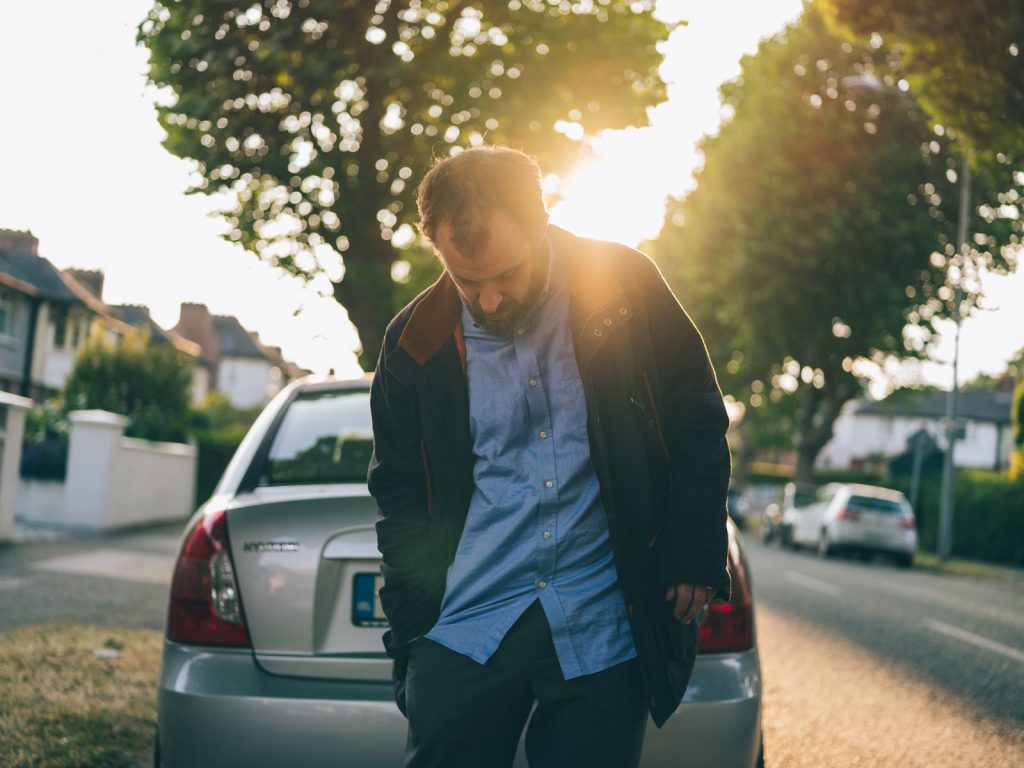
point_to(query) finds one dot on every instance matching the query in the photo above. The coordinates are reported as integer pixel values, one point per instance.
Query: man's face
(502, 279)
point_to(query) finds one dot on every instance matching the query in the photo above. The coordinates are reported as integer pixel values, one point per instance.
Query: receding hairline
(443, 193)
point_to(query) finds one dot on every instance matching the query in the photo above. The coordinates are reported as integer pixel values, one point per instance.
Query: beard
(511, 312)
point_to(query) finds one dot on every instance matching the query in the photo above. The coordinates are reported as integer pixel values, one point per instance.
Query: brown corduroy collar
(593, 285)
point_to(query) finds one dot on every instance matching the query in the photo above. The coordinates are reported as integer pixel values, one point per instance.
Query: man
(550, 468)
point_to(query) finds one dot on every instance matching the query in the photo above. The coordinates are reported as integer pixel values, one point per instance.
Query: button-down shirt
(536, 528)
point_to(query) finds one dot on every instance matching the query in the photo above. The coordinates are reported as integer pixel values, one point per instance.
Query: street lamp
(947, 503)
(870, 82)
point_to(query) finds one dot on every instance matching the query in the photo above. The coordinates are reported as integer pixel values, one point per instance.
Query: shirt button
(520, 331)
(542, 584)
(547, 534)
(548, 484)
(533, 382)
(543, 435)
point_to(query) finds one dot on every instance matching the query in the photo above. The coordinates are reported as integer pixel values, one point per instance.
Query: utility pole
(947, 503)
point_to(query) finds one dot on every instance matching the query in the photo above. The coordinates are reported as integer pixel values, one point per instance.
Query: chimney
(90, 278)
(19, 240)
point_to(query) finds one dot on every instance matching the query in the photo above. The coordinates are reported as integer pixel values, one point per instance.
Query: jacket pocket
(683, 638)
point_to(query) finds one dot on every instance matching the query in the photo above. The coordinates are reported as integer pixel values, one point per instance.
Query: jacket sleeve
(397, 480)
(693, 544)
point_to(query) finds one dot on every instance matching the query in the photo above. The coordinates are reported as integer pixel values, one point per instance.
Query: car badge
(271, 546)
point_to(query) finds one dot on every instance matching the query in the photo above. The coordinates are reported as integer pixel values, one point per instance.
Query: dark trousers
(468, 715)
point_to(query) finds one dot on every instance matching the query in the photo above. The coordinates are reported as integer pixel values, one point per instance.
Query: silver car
(866, 519)
(273, 654)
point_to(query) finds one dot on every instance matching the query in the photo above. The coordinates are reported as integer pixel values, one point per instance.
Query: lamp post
(870, 82)
(948, 501)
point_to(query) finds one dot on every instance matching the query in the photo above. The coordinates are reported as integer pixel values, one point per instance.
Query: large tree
(963, 58)
(314, 119)
(821, 227)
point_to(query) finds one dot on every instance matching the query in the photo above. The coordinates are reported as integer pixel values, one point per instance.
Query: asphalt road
(113, 580)
(863, 663)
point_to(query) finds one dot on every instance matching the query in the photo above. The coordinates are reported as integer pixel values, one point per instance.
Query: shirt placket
(541, 451)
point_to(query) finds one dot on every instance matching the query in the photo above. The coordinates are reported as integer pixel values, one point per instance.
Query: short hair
(467, 188)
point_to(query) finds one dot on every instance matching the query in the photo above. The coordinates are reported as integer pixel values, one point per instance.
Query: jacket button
(622, 310)
(597, 331)
(607, 321)
(629, 608)
(654, 701)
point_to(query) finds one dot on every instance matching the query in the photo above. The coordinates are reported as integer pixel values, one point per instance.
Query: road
(867, 664)
(863, 663)
(115, 580)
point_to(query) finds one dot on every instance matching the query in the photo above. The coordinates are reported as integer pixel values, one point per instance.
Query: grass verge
(61, 705)
(973, 568)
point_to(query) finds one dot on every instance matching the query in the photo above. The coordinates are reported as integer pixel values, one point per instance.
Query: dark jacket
(656, 422)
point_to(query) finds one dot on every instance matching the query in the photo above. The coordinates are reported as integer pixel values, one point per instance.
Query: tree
(819, 232)
(314, 119)
(1017, 418)
(965, 60)
(148, 383)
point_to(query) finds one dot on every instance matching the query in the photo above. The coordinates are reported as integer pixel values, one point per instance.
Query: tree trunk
(367, 293)
(818, 411)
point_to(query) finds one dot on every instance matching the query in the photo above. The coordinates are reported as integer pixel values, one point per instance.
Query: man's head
(484, 211)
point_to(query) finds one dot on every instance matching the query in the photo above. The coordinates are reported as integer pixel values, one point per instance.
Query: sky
(81, 165)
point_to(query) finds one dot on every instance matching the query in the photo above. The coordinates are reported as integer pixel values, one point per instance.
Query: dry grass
(60, 705)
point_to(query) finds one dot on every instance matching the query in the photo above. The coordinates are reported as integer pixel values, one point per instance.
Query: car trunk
(878, 519)
(307, 568)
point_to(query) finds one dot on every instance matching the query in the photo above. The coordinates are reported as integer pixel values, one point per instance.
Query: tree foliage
(148, 383)
(821, 227)
(314, 119)
(965, 60)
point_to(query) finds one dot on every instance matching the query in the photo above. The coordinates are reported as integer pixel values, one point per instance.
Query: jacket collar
(593, 285)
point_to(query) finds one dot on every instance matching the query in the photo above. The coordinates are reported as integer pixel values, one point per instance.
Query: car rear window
(872, 504)
(324, 437)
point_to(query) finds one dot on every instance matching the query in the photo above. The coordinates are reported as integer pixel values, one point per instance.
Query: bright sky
(81, 165)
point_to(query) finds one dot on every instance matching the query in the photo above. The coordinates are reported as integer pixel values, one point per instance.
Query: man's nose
(490, 298)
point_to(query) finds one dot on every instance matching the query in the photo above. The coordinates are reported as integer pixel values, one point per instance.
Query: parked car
(865, 519)
(739, 507)
(781, 512)
(273, 652)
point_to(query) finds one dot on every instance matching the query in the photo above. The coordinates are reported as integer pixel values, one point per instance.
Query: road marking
(811, 583)
(12, 582)
(118, 564)
(978, 640)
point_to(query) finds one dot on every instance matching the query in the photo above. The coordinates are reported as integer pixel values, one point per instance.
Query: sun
(619, 194)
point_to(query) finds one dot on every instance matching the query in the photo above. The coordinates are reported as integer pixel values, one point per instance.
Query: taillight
(728, 626)
(206, 608)
(848, 514)
(907, 521)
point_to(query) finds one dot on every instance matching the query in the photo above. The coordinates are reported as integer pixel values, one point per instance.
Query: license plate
(366, 610)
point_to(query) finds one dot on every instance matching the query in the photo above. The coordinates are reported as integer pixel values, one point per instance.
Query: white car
(865, 519)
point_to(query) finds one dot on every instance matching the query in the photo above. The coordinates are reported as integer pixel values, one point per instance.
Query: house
(867, 431)
(46, 314)
(241, 367)
(45, 317)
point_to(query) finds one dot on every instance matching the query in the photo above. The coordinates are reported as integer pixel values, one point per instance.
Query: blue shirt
(535, 527)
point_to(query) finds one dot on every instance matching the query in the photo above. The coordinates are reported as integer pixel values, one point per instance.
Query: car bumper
(903, 541)
(219, 708)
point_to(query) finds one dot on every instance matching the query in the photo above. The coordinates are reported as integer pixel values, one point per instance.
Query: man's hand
(689, 599)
